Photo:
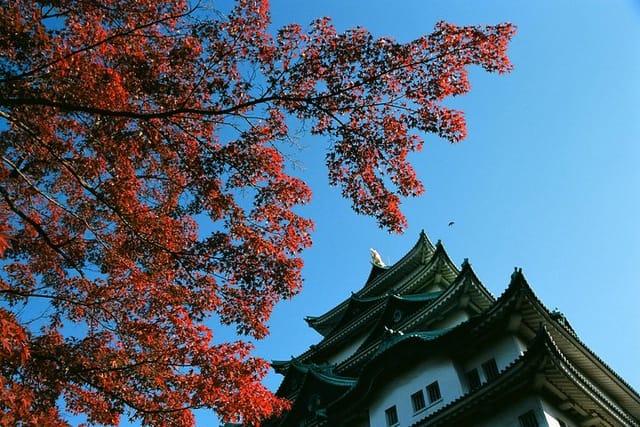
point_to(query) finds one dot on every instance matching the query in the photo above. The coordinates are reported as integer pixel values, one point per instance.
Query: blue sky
(547, 179)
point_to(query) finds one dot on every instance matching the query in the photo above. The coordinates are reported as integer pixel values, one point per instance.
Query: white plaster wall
(552, 416)
(508, 417)
(399, 390)
(504, 351)
(452, 320)
(347, 351)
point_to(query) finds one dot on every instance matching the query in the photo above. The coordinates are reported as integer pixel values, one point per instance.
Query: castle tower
(424, 343)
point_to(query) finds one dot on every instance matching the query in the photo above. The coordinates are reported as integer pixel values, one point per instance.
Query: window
(473, 379)
(417, 400)
(392, 415)
(433, 390)
(490, 369)
(528, 419)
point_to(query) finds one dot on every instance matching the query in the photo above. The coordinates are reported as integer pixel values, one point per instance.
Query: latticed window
(528, 419)
(392, 416)
(473, 379)
(490, 369)
(417, 400)
(433, 390)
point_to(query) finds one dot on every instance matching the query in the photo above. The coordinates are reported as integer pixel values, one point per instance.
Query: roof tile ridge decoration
(529, 291)
(331, 338)
(392, 342)
(542, 350)
(423, 246)
(438, 259)
(466, 270)
(570, 369)
(412, 320)
(445, 296)
(391, 302)
(377, 310)
(423, 249)
(519, 363)
(518, 289)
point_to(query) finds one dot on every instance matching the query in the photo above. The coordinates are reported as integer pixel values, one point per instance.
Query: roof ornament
(376, 259)
(390, 331)
(517, 271)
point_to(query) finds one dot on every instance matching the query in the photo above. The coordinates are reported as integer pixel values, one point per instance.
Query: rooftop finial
(376, 259)
(516, 271)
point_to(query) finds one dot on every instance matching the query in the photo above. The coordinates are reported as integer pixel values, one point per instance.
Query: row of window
(418, 402)
(490, 370)
(528, 419)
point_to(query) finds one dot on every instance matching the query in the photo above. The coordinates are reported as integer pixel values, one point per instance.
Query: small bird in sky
(451, 223)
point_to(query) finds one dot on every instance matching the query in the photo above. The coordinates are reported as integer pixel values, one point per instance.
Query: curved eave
(298, 372)
(397, 353)
(281, 366)
(445, 301)
(378, 282)
(450, 269)
(356, 307)
(519, 299)
(408, 305)
(315, 383)
(543, 369)
(422, 277)
(465, 283)
(327, 325)
(376, 271)
(438, 271)
(370, 319)
(467, 272)
(384, 280)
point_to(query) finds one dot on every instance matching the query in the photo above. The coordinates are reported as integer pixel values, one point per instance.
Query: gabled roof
(396, 310)
(363, 314)
(375, 313)
(398, 351)
(542, 370)
(310, 387)
(466, 290)
(352, 307)
(572, 374)
(526, 312)
(381, 280)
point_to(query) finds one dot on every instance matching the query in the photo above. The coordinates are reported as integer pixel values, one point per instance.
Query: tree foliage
(127, 125)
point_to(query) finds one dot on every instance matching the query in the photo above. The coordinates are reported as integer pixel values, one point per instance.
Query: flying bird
(451, 223)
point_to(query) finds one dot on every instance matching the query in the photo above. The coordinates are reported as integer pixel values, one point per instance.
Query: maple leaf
(123, 123)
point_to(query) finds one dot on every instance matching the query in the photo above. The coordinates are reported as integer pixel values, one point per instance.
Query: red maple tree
(124, 126)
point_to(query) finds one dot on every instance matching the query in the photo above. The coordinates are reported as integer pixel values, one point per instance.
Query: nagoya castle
(424, 343)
